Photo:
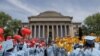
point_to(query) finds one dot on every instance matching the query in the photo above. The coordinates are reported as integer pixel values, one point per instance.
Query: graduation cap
(89, 37)
(90, 41)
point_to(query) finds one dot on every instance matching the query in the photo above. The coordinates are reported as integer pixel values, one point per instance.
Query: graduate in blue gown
(50, 50)
(55, 49)
(88, 49)
(41, 51)
(1, 49)
(45, 51)
(62, 52)
(37, 50)
(77, 51)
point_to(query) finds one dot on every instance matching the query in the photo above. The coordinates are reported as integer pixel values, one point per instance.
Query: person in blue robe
(45, 51)
(88, 48)
(50, 51)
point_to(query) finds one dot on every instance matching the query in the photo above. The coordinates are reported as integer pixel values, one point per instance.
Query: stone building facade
(52, 24)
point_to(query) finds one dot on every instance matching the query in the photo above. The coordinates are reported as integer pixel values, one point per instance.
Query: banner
(7, 44)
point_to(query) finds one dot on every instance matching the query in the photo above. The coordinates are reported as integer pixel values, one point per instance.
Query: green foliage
(10, 25)
(85, 30)
(93, 23)
(15, 25)
(4, 18)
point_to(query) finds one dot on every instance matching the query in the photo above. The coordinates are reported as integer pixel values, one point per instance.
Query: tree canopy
(4, 18)
(9, 24)
(92, 23)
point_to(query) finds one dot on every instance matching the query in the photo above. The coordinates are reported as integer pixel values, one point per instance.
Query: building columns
(47, 30)
(61, 31)
(47, 33)
(65, 31)
(31, 30)
(56, 30)
(43, 31)
(52, 32)
(39, 31)
(34, 31)
(71, 30)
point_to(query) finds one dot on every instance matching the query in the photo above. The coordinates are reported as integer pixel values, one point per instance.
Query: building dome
(50, 13)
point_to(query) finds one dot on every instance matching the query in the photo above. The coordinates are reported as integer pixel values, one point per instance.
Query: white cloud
(23, 6)
(68, 8)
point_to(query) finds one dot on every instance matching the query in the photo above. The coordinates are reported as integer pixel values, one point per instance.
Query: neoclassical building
(52, 24)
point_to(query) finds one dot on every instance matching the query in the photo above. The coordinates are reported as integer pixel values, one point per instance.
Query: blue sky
(78, 9)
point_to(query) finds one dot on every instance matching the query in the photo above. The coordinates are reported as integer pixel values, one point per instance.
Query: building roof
(76, 22)
(50, 14)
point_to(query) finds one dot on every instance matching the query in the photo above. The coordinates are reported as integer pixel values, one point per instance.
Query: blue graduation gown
(50, 51)
(77, 52)
(94, 52)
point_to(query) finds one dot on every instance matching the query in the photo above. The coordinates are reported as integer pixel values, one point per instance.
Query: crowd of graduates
(23, 45)
(69, 42)
(87, 46)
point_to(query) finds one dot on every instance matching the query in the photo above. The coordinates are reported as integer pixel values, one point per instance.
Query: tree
(93, 23)
(15, 25)
(4, 18)
(10, 25)
(85, 30)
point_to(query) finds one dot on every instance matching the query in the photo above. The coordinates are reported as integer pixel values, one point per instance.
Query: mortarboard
(89, 37)
(90, 41)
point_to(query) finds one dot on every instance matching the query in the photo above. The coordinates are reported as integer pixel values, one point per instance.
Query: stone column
(47, 33)
(43, 31)
(56, 30)
(31, 30)
(34, 31)
(53, 32)
(47, 30)
(65, 30)
(39, 31)
(71, 30)
(61, 31)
